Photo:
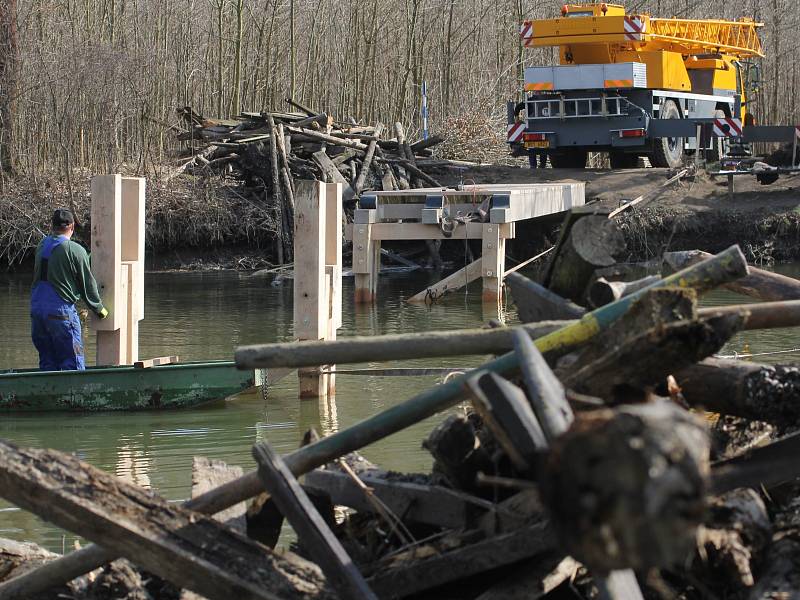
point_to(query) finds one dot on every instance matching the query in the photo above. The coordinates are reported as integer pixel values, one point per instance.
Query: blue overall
(55, 326)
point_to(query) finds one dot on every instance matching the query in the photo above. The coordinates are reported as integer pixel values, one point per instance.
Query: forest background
(92, 86)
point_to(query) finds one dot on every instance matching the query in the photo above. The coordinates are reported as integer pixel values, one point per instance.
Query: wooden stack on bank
(271, 151)
(577, 465)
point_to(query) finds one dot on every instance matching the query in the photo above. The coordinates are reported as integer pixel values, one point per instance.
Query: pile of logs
(268, 150)
(573, 465)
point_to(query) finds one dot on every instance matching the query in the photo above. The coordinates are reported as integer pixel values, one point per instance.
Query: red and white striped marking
(634, 28)
(727, 127)
(526, 29)
(515, 132)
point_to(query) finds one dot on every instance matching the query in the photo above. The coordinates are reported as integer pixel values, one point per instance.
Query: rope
(737, 355)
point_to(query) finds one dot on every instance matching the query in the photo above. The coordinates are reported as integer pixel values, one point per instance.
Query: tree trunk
(9, 74)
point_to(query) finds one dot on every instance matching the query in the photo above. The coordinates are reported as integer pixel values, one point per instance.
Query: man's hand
(103, 313)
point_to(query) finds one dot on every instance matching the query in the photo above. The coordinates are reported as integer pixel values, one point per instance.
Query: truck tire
(569, 159)
(668, 152)
(623, 160)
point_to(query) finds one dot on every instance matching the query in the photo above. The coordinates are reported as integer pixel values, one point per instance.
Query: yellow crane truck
(621, 76)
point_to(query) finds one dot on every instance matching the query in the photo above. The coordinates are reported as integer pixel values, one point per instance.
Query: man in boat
(61, 277)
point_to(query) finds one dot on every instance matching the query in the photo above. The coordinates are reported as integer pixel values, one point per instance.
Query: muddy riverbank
(201, 226)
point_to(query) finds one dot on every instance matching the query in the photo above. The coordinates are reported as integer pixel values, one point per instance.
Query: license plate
(544, 144)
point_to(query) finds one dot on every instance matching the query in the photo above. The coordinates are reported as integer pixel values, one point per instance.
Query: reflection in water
(205, 316)
(133, 466)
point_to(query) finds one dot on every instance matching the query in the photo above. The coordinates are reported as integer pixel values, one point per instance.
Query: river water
(200, 316)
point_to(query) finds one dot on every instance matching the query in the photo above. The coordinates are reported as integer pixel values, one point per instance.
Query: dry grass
(183, 212)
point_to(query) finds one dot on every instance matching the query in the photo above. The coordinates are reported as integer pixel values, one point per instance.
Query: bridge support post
(317, 276)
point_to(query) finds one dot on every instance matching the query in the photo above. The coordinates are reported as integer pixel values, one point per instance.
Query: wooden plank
(421, 231)
(131, 328)
(186, 548)
(400, 579)
(333, 250)
(430, 504)
(154, 362)
(208, 474)
(112, 346)
(311, 528)
(107, 248)
(452, 282)
(132, 204)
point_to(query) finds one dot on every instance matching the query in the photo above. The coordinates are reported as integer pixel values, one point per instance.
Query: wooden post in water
(366, 261)
(317, 275)
(133, 199)
(493, 261)
(118, 265)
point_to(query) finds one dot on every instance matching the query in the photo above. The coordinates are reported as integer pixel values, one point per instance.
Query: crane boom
(642, 33)
(736, 38)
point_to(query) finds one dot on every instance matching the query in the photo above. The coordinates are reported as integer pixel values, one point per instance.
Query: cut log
(536, 303)
(646, 358)
(185, 548)
(309, 525)
(744, 389)
(593, 242)
(758, 283)
(323, 137)
(330, 170)
(433, 140)
(365, 166)
(626, 488)
(416, 502)
(602, 292)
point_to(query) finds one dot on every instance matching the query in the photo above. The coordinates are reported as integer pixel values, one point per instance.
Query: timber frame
(437, 214)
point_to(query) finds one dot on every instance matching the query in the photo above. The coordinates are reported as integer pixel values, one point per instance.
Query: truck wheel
(668, 152)
(569, 159)
(623, 160)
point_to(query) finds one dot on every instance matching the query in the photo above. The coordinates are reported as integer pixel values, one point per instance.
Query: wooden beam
(451, 283)
(430, 504)
(422, 231)
(155, 362)
(107, 248)
(188, 549)
(311, 528)
(132, 204)
(401, 579)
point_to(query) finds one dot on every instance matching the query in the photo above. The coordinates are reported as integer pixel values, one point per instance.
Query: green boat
(170, 386)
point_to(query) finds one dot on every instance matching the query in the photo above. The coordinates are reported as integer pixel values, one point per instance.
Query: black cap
(62, 218)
